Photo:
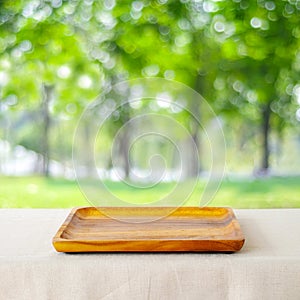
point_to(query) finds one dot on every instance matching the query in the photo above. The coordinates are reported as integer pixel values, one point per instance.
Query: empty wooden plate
(132, 229)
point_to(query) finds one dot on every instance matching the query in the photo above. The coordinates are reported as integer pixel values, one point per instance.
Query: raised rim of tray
(228, 244)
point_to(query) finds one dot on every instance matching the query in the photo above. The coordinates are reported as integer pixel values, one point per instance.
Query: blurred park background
(58, 56)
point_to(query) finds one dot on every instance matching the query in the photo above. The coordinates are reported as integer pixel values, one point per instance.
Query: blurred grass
(39, 192)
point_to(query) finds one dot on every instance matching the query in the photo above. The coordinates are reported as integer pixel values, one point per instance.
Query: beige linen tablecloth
(268, 266)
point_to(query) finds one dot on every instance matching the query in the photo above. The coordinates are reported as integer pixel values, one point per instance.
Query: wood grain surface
(134, 229)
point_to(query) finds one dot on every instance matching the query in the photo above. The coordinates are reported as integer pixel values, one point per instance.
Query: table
(268, 266)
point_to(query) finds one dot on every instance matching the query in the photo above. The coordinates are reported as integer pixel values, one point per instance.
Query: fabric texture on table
(267, 267)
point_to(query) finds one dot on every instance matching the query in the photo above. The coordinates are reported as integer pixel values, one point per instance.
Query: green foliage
(259, 55)
(241, 56)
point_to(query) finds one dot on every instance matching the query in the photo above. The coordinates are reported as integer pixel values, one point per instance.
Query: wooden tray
(185, 229)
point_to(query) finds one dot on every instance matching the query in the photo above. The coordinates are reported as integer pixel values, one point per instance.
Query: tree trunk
(47, 94)
(88, 150)
(124, 140)
(124, 149)
(266, 114)
(195, 165)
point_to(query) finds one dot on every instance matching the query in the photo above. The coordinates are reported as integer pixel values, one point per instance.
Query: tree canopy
(242, 56)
